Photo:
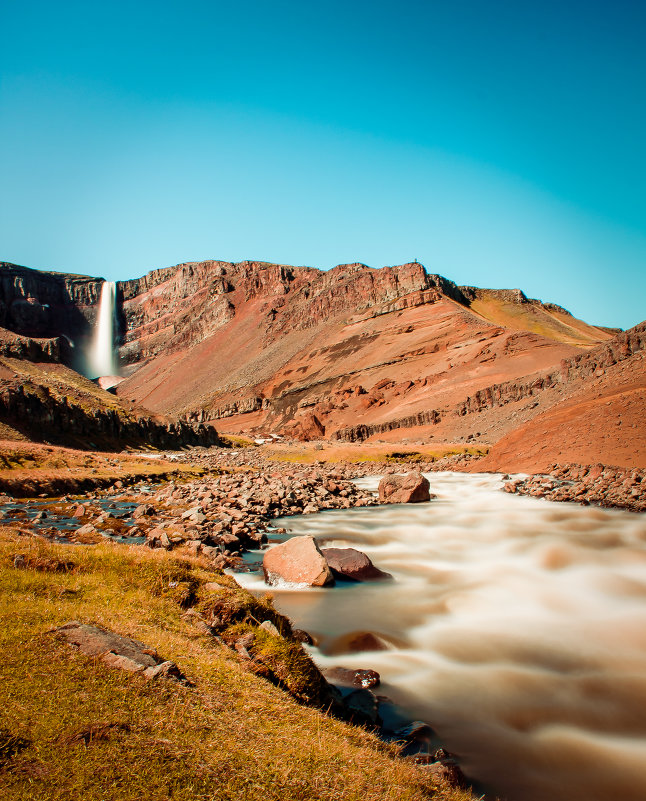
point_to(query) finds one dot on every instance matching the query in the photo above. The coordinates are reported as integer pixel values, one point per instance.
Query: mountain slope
(255, 345)
(596, 413)
(512, 309)
(349, 354)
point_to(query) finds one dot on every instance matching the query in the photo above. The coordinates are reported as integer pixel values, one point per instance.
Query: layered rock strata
(45, 417)
(46, 305)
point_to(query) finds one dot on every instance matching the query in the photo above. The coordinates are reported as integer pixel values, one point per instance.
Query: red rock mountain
(347, 354)
(354, 352)
(268, 342)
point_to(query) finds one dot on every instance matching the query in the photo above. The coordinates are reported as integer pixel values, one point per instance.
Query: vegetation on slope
(72, 728)
(385, 453)
(29, 469)
(548, 320)
(54, 404)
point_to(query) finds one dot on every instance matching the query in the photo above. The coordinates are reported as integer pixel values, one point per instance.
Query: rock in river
(297, 561)
(348, 563)
(411, 488)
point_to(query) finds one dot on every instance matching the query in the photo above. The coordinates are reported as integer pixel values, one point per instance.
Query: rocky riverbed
(600, 485)
(218, 515)
(231, 507)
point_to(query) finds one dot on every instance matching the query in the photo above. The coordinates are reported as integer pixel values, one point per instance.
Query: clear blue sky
(499, 143)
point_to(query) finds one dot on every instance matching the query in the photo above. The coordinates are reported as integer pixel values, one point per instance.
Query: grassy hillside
(72, 728)
(27, 469)
(551, 323)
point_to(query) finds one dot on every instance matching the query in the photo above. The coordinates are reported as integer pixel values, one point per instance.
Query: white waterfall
(101, 358)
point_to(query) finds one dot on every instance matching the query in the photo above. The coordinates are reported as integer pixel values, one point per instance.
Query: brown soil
(607, 428)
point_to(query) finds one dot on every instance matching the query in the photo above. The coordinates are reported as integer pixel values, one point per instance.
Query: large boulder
(297, 561)
(411, 488)
(306, 428)
(348, 563)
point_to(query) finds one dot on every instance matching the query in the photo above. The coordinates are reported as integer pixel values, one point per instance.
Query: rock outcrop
(47, 305)
(305, 428)
(362, 432)
(117, 651)
(46, 416)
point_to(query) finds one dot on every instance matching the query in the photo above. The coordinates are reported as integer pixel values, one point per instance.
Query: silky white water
(101, 357)
(517, 629)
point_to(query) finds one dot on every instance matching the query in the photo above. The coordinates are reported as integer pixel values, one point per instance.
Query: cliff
(176, 308)
(254, 344)
(50, 402)
(45, 418)
(263, 347)
(36, 303)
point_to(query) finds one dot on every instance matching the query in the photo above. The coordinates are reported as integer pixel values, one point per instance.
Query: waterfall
(101, 358)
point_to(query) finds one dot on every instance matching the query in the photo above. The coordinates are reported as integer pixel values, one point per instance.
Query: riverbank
(29, 469)
(221, 502)
(71, 726)
(607, 486)
(597, 485)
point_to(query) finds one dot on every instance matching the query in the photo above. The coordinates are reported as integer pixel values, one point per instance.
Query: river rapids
(516, 628)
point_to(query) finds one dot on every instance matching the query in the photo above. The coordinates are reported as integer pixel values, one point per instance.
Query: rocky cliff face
(176, 308)
(258, 344)
(45, 417)
(39, 305)
(270, 347)
(46, 304)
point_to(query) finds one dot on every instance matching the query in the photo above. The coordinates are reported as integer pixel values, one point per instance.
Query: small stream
(515, 626)
(40, 516)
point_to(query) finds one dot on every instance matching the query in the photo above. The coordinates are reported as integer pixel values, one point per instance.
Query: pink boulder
(348, 563)
(297, 561)
(411, 488)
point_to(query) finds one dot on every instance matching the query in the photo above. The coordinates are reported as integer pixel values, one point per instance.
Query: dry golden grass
(238, 440)
(333, 452)
(37, 467)
(72, 728)
(8, 432)
(525, 317)
(62, 382)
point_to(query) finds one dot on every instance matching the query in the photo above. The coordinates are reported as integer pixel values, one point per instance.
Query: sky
(500, 143)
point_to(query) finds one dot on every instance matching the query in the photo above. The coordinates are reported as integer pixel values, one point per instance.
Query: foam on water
(517, 629)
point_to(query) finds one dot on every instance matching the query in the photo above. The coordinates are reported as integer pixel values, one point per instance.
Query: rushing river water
(516, 627)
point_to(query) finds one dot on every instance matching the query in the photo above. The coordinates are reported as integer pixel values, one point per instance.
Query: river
(515, 626)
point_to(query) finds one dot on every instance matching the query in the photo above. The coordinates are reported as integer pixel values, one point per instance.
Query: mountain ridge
(345, 354)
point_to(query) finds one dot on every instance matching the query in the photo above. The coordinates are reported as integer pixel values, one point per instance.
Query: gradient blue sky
(501, 144)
